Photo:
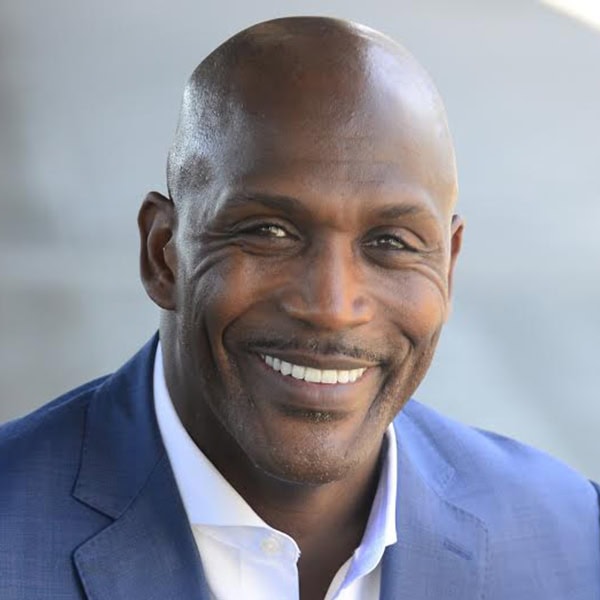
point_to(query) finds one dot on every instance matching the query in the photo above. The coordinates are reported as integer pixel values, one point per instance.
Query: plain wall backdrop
(89, 95)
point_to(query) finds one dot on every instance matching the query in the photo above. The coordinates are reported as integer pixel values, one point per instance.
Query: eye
(387, 241)
(268, 230)
(263, 232)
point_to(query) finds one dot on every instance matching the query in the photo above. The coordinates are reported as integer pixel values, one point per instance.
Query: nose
(329, 290)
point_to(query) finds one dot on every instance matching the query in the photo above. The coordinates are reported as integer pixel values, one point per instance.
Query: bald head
(299, 75)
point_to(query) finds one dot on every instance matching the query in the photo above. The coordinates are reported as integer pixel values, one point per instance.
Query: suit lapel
(441, 549)
(148, 551)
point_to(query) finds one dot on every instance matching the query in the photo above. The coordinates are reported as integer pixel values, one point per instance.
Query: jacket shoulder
(39, 437)
(540, 516)
(485, 462)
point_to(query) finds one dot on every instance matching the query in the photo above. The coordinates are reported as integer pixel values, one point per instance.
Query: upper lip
(318, 361)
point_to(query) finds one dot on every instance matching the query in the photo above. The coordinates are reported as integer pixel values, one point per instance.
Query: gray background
(89, 94)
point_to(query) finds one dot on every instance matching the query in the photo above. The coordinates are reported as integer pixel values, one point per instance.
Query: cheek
(220, 293)
(415, 308)
(416, 304)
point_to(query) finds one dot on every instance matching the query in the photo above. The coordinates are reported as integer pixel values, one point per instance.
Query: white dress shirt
(242, 556)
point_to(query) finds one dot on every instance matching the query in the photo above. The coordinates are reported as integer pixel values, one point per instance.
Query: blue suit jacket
(89, 508)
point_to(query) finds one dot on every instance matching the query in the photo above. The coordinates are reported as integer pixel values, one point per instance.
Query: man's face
(312, 283)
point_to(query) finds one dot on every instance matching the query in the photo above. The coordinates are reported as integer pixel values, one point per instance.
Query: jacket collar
(148, 551)
(121, 442)
(442, 549)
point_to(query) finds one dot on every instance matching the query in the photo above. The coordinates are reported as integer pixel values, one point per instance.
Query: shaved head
(300, 73)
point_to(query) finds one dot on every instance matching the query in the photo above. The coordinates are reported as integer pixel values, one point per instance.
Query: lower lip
(307, 395)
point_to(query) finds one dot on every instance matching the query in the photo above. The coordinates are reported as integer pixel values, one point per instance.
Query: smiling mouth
(311, 374)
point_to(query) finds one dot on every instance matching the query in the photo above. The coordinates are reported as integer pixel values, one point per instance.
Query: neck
(327, 521)
(308, 512)
(329, 517)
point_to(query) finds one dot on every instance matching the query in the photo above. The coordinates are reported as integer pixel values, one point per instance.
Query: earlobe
(158, 260)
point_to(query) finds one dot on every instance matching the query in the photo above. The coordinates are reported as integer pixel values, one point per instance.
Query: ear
(456, 233)
(158, 259)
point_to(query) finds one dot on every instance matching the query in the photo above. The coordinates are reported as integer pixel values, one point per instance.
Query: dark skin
(310, 221)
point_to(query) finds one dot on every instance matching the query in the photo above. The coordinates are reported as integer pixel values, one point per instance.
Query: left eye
(387, 241)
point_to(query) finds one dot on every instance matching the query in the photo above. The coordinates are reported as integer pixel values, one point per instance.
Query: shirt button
(270, 546)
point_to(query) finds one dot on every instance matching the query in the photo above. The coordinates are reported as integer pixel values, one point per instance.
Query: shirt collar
(193, 472)
(223, 506)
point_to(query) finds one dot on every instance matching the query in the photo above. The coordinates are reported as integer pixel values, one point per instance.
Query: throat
(327, 522)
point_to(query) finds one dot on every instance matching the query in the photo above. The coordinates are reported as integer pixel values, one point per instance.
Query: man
(303, 264)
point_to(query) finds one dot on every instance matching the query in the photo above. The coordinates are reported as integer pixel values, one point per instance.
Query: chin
(317, 457)
(307, 470)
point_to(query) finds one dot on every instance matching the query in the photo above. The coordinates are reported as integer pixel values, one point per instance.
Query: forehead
(373, 123)
(369, 152)
(333, 180)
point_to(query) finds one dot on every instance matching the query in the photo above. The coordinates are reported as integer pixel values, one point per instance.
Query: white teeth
(285, 368)
(343, 376)
(298, 372)
(312, 375)
(329, 376)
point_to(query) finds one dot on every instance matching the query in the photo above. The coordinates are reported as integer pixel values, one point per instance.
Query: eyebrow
(273, 201)
(292, 205)
(396, 211)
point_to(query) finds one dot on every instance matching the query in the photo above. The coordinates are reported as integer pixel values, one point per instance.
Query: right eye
(267, 230)
(271, 236)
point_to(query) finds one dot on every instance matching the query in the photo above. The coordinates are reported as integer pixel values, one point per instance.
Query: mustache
(321, 346)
